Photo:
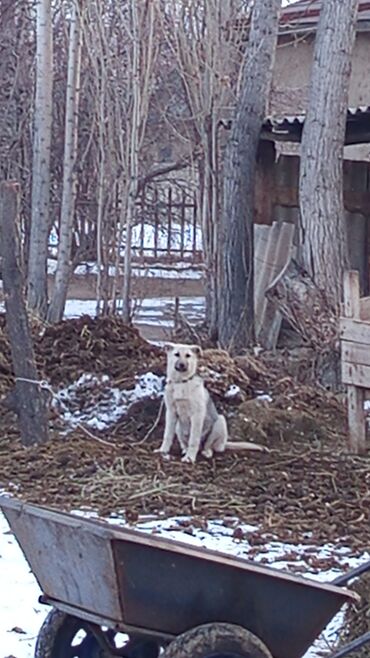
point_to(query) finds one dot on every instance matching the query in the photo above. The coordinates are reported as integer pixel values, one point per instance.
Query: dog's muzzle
(180, 366)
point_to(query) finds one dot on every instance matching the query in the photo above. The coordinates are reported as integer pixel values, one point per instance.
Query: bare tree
(321, 174)
(63, 271)
(199, 34)
(40, 221)
(143, 54)
(122, 52)
(236, 316)
(26, 399)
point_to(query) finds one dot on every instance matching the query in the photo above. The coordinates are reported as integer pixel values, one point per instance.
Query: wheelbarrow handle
(351, 646)
(353, 573)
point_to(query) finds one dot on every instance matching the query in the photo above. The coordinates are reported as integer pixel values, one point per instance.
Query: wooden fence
(355, 347)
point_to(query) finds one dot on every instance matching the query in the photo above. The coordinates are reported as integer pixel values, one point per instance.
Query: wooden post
(355, 394)
(27, 399)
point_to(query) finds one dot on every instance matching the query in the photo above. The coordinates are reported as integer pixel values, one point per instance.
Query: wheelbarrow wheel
(64, 636)
(217, 640)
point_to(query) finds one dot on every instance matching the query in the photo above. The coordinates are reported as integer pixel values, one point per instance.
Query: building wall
(293, 68)
(277, 201)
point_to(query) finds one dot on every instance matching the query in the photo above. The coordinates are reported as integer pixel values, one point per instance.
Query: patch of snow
(264, 397)
(178, 270)
(232, 391)
(74, 308)
(170, 273)
(151, 238)
(20, 613)
(104, 405)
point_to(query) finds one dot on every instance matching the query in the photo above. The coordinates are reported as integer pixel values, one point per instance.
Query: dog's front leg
(169, 432)
(196, 427)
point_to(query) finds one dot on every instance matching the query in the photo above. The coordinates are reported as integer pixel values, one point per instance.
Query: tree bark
(133, 163)
(63, 271)
(236, 316)
(27, 399)
(37, 264)
(142, 59)
(324, 244)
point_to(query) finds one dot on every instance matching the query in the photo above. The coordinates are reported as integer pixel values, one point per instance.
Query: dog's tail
(245, 445)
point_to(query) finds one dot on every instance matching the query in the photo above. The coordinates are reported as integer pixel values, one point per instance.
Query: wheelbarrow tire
(57, 633)
(49, 632)
(217, 639)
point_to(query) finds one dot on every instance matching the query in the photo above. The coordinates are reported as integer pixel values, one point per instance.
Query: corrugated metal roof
(275, 121)
(305, 14)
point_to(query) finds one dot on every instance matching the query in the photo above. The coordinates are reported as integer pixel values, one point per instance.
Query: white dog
(190, 412)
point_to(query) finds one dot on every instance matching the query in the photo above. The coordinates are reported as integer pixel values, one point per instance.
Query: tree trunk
(133, 157)
(37, 264)
(210, 219)
(236, 317)
(324, 245)
(63, 271)
(27, 399)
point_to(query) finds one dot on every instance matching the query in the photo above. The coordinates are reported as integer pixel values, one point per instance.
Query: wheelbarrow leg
(340, 581)
(351, 646)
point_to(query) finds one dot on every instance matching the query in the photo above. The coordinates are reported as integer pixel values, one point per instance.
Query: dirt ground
(305, 486)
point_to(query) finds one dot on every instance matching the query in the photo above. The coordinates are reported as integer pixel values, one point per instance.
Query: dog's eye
(177, 354)
(188, 356)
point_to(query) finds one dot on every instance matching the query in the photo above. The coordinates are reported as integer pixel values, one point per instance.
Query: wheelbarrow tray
(130, 580)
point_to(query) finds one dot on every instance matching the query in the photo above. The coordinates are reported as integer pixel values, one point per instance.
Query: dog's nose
(180, 366)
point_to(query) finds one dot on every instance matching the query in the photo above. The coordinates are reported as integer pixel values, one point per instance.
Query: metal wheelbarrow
(165, 597)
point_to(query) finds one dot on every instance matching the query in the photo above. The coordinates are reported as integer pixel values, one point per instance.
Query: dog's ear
(168, 347)
(196, 349)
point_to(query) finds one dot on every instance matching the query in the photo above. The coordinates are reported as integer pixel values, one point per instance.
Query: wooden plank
(356, 331)
(356, 353)
(356, 419)
(365, 309)
(71, 561)
(351, 286)
(356, 375)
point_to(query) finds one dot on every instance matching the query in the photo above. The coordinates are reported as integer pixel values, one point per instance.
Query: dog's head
(182, 361)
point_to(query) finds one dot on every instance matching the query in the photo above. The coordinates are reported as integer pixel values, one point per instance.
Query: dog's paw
(208, 453)
(188, 459)
(162, 453)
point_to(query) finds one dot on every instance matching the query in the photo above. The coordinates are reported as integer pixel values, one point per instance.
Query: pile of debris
(68, 350)
(298, 493)
(305, 486)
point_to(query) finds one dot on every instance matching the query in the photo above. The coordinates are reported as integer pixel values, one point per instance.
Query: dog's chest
(180, 392)
(183, 397)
